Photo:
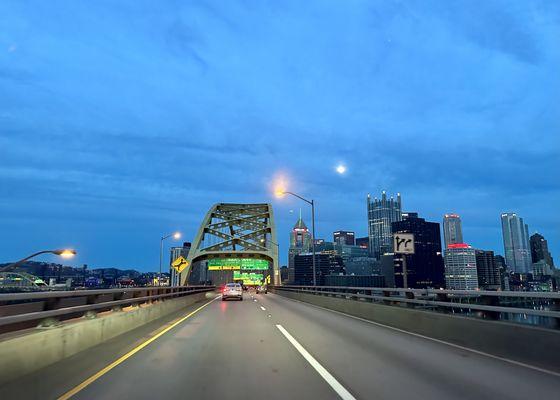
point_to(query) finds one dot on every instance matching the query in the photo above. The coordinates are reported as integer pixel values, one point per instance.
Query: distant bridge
(233, 238)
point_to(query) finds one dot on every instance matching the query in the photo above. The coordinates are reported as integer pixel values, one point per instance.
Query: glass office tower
(515, 234)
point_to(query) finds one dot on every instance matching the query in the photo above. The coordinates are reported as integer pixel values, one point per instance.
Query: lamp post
(176, 235)
(312, 204)
(65, 253)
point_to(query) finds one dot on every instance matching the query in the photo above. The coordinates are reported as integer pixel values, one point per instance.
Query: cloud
(136, 123)
(497, 26)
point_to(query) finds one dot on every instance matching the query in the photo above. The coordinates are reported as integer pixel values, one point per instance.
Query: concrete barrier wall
(37, 348)
(532, 345)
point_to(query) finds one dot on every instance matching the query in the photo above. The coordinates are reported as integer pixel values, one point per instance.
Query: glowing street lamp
(176, 236)
(65, 253)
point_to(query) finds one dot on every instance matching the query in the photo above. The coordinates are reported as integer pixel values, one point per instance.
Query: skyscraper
(381, 214)
(300, 242)
(515, 234)
(487, 270)
(424, 267)
(539, 249)
(460, 267)
(344, 237)
(452, 231)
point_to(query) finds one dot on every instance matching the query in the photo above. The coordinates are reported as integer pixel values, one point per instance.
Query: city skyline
(110, 141)
(499, 250)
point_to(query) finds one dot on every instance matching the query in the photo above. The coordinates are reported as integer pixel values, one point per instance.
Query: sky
(123, 121)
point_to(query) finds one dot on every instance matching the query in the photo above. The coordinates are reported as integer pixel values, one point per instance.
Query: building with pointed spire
(300, 242)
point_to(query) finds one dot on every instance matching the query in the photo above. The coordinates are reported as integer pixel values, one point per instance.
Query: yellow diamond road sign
(180, 264)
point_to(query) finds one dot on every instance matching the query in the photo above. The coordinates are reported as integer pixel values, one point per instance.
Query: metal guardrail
(24, 310)
(489, 304)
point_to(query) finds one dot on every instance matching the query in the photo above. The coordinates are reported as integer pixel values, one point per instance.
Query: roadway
(270, 347)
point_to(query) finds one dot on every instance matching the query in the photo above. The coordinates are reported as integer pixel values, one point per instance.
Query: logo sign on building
(180, 264)
(403, 243)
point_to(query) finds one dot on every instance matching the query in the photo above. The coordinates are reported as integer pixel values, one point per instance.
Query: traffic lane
(56, 379)
(377, 362)
(229, 350)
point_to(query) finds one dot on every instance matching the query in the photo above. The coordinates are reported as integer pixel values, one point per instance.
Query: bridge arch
(234, 241)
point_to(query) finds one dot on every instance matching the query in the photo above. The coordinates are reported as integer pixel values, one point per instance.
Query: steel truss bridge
(236, 231)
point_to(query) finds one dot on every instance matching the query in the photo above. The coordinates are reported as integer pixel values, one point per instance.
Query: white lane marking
(331, 380)
(457, 346)
(262, 308)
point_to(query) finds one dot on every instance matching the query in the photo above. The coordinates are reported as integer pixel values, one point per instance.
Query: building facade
(325, 264)
(487, 270)
(381, 214)
(344, 237)
(424, 268)
(363, 242)
(460, 267)
(387, 268)
(539, 249)
(515, 234)
(541, 268)
(356, 259)
(452, 229)
(500, 262)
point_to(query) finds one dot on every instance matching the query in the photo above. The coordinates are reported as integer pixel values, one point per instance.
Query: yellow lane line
(120, 360)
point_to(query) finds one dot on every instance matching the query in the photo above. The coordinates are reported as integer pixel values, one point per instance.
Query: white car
(232, 290)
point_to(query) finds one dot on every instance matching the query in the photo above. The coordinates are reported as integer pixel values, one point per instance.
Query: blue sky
(121, 121)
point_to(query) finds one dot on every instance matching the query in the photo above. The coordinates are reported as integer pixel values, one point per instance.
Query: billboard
(237, 264)
(249, 278)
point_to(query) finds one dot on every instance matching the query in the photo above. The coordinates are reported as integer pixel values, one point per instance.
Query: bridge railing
(25, 310)
(537, 308)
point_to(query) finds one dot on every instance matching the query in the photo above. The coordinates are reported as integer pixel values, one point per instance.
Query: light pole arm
(14, 265)
(299, 197)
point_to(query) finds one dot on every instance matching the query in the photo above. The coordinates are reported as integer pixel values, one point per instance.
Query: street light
(176, 235)
(65, 253)
(279, 193)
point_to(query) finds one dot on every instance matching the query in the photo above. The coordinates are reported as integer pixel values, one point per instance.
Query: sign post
(403, 243)
(179, 266)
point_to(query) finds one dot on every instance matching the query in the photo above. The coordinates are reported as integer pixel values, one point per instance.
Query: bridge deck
(234, 350)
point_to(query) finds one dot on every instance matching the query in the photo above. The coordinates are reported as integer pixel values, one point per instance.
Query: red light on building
(458, 246)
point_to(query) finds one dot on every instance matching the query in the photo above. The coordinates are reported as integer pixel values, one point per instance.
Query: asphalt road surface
(269, 347)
